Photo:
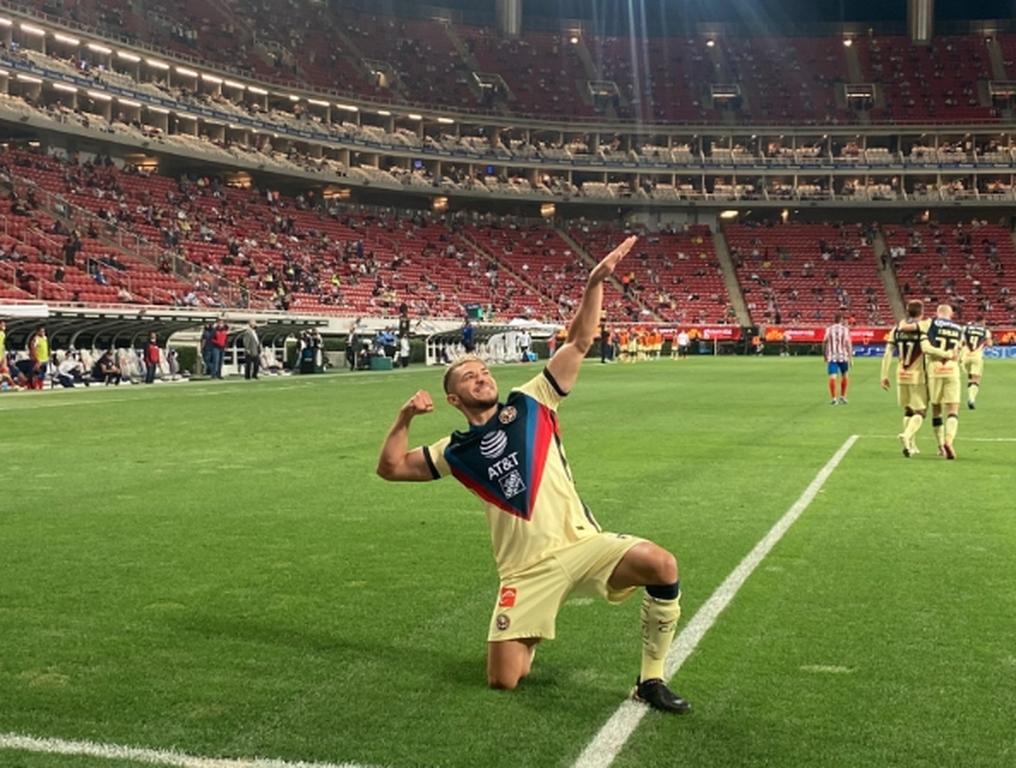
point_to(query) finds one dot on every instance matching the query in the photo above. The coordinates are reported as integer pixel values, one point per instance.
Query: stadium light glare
(348, 108)
(317, 102)
(66, 39)
(65, 88)
(29, 79)
(100, 96)
(728, 215)
(293, 97)
(234, 84)
(128, 56)
(414, 116)
(211, 78)
(160, 110)
(574, 39)
(445, 120)
(186, 72)
(384, 113)
(29, 29)
(848, 41)
(128, 103)
(258, 91)
(157, 64)
(99, 49)
(6, 23)
(710, 43)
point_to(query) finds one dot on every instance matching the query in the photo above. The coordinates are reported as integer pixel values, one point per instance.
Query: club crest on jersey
(511, 484)
(508, 414)
(502, 622)
(493, 444)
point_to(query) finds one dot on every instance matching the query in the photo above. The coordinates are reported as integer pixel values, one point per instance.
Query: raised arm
(564, 365)
(396, 462)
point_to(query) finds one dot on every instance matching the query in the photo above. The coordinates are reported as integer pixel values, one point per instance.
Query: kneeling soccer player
(546, 542)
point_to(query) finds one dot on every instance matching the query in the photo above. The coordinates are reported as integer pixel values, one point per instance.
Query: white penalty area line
(14, 741)
(614, 734)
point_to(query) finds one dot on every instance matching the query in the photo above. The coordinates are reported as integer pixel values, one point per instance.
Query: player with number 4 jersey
(976, 337)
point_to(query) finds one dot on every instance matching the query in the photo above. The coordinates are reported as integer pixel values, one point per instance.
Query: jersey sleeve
(887, 357)
(544, 389)
(435, 458)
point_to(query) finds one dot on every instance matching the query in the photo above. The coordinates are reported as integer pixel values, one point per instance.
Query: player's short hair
(944, 310)
(457, 363)
(838, 317)
(915, 308)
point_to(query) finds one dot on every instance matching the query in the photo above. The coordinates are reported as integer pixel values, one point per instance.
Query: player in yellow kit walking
(546, 542)
(976, 337)
(911, 384)
(941, 339)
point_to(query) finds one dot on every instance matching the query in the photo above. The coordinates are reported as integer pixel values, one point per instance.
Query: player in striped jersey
(911, 385)
(976, 337)
(839, 354)
(547, 544)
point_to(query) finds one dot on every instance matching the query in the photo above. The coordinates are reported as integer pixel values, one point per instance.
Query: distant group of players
(637, 344)
(932, 354)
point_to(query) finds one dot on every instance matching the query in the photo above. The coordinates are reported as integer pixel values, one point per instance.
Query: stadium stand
(805, 273)
(960, 264)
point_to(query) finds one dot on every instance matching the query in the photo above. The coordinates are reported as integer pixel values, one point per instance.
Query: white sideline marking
(961, 439)
(149, 756)
(611, 738)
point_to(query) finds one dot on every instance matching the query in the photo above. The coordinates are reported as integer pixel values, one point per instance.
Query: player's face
(474, 387)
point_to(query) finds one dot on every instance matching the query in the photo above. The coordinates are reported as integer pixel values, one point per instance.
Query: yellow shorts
(974, 366)
(944, 390)
(912, 396)
(527, 602)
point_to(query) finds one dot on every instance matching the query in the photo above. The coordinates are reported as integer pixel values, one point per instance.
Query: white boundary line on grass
(13, 741)
(611, 738)
(961, 439)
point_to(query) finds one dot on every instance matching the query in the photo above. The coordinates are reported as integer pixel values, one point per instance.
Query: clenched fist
(417, 404)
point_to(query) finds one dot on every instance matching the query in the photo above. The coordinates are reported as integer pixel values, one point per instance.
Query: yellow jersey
(516, 465)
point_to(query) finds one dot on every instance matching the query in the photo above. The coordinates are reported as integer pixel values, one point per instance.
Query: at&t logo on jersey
(493, 444)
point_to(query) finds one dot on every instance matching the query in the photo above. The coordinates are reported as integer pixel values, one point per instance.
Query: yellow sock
(913, 424)
(659, 623)
(972, 391)
(952, 423)
(906, 422)
(940, 435)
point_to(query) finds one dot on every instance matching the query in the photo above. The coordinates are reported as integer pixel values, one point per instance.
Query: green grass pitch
(216, 568)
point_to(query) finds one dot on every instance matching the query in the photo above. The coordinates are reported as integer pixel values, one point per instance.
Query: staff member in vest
(38, 350)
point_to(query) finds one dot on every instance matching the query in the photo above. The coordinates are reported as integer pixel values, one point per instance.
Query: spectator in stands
(152, 358)
(38, 349)
(251, 351)
(106, 370)
(71, 248)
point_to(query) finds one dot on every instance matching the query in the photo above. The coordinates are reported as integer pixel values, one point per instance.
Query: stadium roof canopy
(669, 17)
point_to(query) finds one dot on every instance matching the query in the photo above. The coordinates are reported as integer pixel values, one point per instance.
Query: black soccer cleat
(970, 404)
(657, 695)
